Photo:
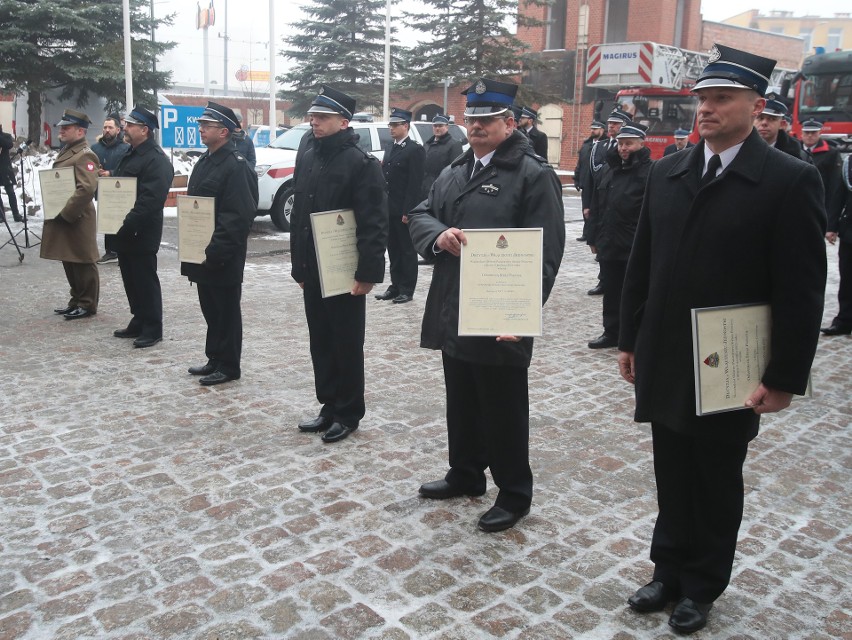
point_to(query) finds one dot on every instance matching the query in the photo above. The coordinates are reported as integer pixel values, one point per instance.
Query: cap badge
(771, 96)
(480, 87)
(715, 54)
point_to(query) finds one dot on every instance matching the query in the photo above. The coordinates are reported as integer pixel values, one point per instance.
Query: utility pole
(225, 73)
(272, 106)
(386, 96)
(128, 69)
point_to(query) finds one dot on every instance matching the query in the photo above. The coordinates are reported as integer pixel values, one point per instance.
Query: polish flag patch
(90, 166)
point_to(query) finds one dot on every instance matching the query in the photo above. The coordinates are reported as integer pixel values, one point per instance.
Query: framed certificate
(57, 185)
(196, 222)
(337, 250)
(116, 197)
(730, 348)
(500, 288)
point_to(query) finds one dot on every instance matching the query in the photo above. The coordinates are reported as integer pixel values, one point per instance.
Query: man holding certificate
(69, 217)
(499, 183)
(332, 172)
(730, 221)
(223, 174)
(138, 239)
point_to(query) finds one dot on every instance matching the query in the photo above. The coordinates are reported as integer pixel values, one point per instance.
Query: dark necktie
(477, 167)
(712, 167)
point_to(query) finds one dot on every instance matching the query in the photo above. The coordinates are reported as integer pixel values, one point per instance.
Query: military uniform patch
(490, 189)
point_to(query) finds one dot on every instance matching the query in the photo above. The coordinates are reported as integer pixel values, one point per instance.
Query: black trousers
(844, 293)
(700, 497)
(109, 243)
(612, 280)
(488, 425)
(336, 326)
(9, 186)
(221, 309)
(403, 258)
(85, 284)
(142, 286)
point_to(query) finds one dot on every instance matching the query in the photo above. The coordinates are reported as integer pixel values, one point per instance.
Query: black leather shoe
(441, 490)
(596, 291)
(217, 377)
(837, 330)
(320, 423)
(389, 294)
(603, 341)
(402, 298)
(581, 239)
(336, 432)
(127, 333)
(203, 370)
(63, 310)
(78, 313)
(654, 596)
(144, 341)
(689, 616)
(498, 519)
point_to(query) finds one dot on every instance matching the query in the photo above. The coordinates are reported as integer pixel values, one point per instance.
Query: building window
(616, 20)
(835, 36)
(776, 28)
(556, 16)
(805, 35)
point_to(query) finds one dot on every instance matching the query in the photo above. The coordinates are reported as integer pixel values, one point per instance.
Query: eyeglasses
(483, 120)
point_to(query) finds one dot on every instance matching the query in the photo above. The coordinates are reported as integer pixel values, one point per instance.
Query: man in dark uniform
(827, 159)
(538, 139)
(441, 149)
(616, 203)
(498, 182)
(403, 170)
(244, 143)
(681, 137)
(333, 172)
(727, 222)
(110, 149)
(597, 161)
(768, 125)
(7, 180)
(222, 173)
(840, 225)
(582, 169)
(138, 240)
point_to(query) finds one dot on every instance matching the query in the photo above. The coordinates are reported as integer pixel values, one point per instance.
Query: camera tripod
(12, 240)
(26, 230)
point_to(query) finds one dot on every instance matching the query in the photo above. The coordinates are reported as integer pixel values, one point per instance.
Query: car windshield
(662, 114)
(825, 95)
(291, 138)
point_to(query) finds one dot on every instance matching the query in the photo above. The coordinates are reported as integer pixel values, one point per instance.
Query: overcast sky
(248, 31)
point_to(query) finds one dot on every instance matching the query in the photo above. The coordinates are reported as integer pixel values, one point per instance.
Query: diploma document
(337, 250)
(116, 197)
(57, 185)
(196, 222)
(500, 282)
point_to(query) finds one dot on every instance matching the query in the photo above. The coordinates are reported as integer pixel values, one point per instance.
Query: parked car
(277, 162)
(259, 134)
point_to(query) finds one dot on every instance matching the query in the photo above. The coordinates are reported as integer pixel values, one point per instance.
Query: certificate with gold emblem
(116, 197)
(196, 222)
(337, 250)
(500, 288)
(57, 185)
(731, 349)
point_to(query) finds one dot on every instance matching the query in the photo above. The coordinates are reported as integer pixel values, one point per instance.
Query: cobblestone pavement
(138, 504)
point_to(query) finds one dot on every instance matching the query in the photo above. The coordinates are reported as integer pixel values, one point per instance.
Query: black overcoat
(538, 140)
(752, 235)
(440, 152)
(516, 189)
(143, 225)
(403, 171)
(228, 177)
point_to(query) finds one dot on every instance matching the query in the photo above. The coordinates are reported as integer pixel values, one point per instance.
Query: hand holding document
(116, 197)
(57, 185)
(196, 223)
(336, 245)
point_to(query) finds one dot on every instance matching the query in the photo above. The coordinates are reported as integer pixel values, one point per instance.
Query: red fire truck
(823, 91)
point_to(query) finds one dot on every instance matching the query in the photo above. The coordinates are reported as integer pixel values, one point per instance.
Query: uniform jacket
(616, 205)
(403, 171)
(672, 148)
(110, 154)
(6, 144)
(334, 173)
(538, 140)
(843, 224)
(828, 162)
(440, 152)
(143, 226)
(791, 146)
(597, 161)
(228, 177)
(70, 235)
(582, 168)
(245, 146)
(516, 189)
(752, 235)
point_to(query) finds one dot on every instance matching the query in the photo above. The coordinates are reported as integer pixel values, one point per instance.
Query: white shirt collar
(486, 159)
(727, 156)
(401, 142)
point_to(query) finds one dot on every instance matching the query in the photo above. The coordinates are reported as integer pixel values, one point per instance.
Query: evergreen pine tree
(77, 46)
(341, 44)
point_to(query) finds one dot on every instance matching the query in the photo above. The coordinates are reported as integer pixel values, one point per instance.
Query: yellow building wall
(793, 26)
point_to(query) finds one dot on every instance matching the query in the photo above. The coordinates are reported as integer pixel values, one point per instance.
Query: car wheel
(281, 209)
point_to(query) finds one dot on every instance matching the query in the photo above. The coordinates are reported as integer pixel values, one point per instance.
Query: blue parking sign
(180, 126)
